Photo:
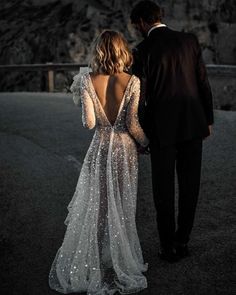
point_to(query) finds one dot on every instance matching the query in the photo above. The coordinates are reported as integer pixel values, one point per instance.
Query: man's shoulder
(188, 36)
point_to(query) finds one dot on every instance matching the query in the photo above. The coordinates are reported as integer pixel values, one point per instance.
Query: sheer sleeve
(75, 89)
(132, 120)
(82, 96)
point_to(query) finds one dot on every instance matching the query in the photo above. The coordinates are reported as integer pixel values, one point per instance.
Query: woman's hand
(143, 150)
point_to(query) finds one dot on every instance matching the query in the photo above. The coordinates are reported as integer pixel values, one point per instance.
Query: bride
(101, 252)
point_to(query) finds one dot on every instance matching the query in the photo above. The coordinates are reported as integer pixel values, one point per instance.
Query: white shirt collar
(154, 27)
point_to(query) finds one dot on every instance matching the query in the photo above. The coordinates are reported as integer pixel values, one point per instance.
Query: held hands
(210, 131)
(143, 150)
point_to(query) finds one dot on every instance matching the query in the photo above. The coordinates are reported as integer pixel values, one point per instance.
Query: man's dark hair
(148, 11)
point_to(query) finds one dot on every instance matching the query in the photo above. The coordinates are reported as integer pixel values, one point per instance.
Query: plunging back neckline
(121, 103)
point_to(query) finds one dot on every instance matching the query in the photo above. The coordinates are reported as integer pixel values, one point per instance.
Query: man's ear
(141, 22)
(145, 26)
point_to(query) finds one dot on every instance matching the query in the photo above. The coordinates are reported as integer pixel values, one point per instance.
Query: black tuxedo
(178, 96)
(175, 114)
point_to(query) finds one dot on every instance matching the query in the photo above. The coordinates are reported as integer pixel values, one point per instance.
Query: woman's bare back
(110, 90)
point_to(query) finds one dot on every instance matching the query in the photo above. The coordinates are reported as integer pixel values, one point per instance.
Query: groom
(177, 114)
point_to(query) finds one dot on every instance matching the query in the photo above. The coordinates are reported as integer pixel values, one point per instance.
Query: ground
(42, 146)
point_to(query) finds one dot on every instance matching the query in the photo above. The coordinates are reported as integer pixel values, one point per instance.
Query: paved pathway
(42, 146)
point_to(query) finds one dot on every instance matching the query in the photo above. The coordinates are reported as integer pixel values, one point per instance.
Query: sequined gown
(101, 253)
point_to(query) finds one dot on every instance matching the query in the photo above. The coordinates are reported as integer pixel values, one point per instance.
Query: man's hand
(210, 131)
(143, 150)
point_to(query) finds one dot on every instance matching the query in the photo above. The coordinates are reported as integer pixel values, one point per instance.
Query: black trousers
(186, 158)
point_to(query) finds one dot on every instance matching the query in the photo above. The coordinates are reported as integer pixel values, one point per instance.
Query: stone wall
(40, 31)
(62, 30)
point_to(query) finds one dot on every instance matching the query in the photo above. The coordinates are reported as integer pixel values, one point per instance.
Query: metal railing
(221, 70)
(51, 68)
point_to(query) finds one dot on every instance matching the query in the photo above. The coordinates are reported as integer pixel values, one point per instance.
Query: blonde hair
(110, 53)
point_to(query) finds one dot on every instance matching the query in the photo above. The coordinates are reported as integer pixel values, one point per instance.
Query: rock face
(40, 31)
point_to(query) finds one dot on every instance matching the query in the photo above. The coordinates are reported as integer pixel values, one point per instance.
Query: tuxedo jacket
(177, 104)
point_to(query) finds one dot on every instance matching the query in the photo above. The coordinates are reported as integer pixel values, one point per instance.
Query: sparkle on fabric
(101, 252)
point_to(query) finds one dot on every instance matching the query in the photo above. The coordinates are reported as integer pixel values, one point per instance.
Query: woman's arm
(132, 120)
(81, 94)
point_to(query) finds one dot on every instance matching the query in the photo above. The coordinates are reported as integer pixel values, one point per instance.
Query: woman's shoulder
(79, 81)
(135, 80)
(126, 77)
(83, 73)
